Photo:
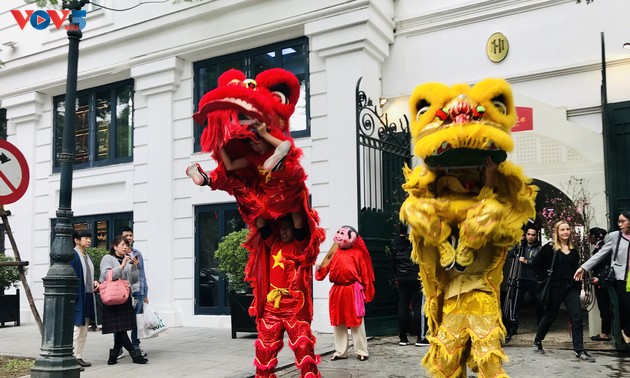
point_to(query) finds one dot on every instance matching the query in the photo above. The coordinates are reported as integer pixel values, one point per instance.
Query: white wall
(553, 65)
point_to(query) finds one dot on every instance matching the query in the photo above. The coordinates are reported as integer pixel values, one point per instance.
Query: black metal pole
(60, 284)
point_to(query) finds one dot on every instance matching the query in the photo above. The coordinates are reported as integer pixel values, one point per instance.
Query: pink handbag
(114, 292)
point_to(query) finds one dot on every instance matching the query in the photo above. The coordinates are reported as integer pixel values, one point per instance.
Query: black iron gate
(383, 148)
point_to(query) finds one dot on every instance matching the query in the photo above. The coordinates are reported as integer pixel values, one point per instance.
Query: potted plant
(232, 258)
(9, 303)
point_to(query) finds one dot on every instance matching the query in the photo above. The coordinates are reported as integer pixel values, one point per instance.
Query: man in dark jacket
(84, 307)
(409, 288)
(526, 253)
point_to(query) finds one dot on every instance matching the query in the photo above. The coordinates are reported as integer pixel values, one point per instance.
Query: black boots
(136, 355)
(113, 356)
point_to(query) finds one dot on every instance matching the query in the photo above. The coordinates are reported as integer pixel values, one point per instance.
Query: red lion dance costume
(234, 114)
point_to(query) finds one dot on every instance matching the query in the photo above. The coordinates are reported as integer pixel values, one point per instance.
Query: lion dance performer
(247, 133)
(466, 206)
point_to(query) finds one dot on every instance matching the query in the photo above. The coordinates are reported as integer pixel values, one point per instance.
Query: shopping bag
(153, 324)
(151, 318)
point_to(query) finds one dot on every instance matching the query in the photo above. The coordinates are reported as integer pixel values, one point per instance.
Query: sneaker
(538, 348)
(584, 356)
(197, 174)
(120, 354)
(273, 163)
(422, 342)
(403, 343)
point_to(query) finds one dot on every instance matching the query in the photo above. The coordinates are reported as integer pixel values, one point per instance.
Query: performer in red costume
(351, 273)
(289, 287)
(247, 132)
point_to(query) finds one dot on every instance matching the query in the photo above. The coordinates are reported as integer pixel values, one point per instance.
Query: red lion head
(229, 110)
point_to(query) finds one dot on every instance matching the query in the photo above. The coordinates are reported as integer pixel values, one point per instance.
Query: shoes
(625, 338)
(403, 343)
(508, 338)
(142, 352)
(538, 348)
(81, 368)
(197, 174)
(599, 338)
(335, 358)
(422, 342)
(83, 363)
(273, 163)
(120, 355)
(363, 358)
(584, 356)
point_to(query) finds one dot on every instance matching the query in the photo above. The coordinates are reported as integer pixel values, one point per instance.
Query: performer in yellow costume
(466, 206)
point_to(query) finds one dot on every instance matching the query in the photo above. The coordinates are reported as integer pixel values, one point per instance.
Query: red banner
(524, 119)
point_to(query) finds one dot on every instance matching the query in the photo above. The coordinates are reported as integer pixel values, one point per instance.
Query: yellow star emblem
(277, 260)
(264, 173)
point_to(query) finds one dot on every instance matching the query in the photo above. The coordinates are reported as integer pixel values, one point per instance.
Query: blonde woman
(564, 289)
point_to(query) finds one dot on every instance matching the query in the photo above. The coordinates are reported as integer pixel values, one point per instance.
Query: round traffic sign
(13, 173)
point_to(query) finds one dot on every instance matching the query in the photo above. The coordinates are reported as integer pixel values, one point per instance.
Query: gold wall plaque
(497, 47)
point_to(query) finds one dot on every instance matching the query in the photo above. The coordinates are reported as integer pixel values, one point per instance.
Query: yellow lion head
(462, 125)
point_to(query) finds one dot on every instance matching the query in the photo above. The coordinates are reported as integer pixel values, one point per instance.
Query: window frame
(91, 221)
(92, 126)
(3, 124)
(246, 57)
(223, 295)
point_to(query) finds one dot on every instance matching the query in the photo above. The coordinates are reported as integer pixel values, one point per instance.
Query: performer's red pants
(271, 326)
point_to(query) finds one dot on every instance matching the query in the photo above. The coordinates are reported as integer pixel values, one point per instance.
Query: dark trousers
(409, 296)
(524, 287)
(624, 306)
(568, 293)
(603, 304)
(138, 310)
(121, 340)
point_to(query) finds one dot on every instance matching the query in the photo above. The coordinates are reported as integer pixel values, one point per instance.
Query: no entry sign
(13, 173)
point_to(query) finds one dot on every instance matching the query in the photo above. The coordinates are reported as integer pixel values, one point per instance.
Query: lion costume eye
(500, 105)
(280, 97)
(423, 106)
(250, 83)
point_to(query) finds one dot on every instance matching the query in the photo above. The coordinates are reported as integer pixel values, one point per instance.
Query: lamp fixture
(626, 45)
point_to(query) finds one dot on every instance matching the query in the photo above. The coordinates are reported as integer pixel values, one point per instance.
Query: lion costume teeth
(456, 131)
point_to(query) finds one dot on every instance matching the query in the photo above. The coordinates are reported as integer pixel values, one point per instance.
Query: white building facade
(148, 62)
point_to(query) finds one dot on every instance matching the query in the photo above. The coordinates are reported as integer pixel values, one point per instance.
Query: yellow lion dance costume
(462, 225)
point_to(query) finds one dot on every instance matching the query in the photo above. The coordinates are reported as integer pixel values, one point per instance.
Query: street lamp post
(60, 284)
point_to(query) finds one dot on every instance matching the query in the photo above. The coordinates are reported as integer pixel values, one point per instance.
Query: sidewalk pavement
(207, 352)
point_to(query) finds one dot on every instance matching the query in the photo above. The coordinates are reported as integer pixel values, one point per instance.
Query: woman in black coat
(563, 287)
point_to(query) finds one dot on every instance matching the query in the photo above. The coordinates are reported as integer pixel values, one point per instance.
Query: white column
(343, 49)
(24, 113)
(155, 84)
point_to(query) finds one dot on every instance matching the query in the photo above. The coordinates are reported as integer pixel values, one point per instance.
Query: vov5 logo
(41, 19)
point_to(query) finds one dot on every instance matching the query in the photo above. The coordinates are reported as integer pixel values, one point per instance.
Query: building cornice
(468, 14)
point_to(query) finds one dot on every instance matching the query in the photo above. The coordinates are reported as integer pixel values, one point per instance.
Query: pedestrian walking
(85, 303)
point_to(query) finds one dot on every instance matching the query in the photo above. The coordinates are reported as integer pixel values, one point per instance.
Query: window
(290, 55)
(104, 227)
(3, 124)
(212, 222)
(104, 126)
